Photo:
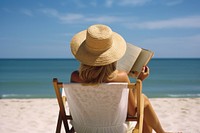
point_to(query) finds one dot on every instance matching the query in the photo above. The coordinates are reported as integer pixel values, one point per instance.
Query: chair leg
(59, 123)
(66, 126)
(72, 130)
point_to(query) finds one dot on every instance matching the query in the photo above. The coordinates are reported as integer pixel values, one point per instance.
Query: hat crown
(98, 38)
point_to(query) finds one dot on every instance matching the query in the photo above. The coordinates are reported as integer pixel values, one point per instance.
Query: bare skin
(150, 118)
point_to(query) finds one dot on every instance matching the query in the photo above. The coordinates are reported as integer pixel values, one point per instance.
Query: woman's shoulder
(121, 73)
(121, 77)
(75, 73)
(75, 77)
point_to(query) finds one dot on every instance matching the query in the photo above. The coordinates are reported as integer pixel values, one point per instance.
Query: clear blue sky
(44, 28)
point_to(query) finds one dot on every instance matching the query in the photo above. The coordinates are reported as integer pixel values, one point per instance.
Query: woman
(98, 49)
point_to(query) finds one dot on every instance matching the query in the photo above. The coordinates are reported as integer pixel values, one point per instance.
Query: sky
(44, 28)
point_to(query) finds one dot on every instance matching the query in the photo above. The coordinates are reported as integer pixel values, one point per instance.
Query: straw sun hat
(98, 46)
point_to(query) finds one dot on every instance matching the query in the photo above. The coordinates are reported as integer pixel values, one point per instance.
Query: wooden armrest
(141, 116)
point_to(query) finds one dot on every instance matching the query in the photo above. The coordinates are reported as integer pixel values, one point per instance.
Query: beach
(40, 115)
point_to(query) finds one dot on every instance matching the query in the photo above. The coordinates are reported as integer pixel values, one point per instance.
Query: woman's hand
(144, 74)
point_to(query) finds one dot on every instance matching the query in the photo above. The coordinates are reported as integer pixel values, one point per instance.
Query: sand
(40, 115)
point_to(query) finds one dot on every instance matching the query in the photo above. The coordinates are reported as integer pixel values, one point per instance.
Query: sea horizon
(32, 77)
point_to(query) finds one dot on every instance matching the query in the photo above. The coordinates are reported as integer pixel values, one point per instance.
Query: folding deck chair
(98, 108)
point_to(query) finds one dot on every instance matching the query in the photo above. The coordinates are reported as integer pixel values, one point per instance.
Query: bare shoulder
(75, 77)
(122, 73)
(122, 77)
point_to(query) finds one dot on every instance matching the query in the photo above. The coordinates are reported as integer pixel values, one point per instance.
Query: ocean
(32, 78)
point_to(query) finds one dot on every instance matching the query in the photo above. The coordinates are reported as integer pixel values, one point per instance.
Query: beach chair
(102, 108)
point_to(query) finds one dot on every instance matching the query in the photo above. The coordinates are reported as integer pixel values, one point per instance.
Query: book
(134, 59)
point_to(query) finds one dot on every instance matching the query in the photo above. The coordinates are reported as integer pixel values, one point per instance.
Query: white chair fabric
(98, 108)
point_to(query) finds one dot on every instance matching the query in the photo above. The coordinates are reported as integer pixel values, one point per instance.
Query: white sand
(40, 115)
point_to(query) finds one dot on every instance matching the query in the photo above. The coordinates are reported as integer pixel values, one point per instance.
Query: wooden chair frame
(64, 118)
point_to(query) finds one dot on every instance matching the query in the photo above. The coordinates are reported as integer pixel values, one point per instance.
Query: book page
(127, 61)
(142, 60)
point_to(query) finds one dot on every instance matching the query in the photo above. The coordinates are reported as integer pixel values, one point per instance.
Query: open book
(134, 60)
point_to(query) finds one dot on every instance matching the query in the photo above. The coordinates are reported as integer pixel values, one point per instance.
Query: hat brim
(109, 56)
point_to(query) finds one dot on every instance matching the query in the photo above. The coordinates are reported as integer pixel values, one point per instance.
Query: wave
(24, 96)
(183, 95)
(15, 96)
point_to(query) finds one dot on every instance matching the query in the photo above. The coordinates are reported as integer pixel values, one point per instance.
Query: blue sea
(32, 78)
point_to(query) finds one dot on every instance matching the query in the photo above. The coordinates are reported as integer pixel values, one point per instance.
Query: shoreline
(40, 115)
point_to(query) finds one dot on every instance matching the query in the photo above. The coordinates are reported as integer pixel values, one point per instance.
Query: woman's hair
(97, 74)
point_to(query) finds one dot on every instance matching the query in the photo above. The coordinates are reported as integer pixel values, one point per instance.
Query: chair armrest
(141, 116)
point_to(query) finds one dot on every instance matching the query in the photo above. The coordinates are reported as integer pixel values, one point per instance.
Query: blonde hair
(97, 74)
